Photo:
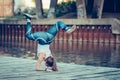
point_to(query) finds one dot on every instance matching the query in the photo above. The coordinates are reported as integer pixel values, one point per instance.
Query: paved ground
(12, 68)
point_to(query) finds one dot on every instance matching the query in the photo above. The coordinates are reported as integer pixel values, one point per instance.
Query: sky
(29, 3)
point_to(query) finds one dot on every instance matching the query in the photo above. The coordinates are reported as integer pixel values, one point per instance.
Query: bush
(65, 7)
(31, 11)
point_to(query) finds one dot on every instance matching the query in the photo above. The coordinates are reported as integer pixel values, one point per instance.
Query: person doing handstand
(44, 39)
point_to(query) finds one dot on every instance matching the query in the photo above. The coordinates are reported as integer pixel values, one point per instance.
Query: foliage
(62, 9)
(31, 11)
(17, 17)
(65, 7)
(18, 14)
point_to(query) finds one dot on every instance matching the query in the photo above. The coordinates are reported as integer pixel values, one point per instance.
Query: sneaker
(48, 69)
(71, 29)
(28, 16)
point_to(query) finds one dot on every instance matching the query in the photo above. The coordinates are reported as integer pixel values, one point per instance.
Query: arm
(40, 60)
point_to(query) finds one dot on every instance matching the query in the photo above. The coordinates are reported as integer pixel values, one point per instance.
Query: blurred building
(6, 7)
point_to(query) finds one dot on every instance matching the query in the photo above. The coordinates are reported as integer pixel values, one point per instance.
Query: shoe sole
(73, 29)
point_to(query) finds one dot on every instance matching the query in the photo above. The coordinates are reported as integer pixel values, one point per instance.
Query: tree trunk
(97, 9)
(81, 10)
(51, 12)
(39, 9)
(13, 7)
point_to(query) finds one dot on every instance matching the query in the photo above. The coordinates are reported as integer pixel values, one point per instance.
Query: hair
(50, 62)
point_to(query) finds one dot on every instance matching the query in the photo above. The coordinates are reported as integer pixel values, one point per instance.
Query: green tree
(65, 7)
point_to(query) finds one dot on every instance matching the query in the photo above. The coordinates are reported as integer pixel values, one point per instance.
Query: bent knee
(59, 22)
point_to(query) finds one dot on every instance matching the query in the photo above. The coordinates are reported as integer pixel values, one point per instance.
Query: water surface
(95, 54)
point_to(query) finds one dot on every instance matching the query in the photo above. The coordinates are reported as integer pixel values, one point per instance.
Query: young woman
(44, 39)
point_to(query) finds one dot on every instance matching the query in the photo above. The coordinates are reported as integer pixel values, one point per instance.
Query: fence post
(114, 38)
(118, 38)
(0, 35)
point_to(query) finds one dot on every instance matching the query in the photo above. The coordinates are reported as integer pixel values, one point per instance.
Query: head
(49, 61)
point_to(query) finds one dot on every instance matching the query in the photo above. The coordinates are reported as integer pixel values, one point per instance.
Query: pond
(95, 54)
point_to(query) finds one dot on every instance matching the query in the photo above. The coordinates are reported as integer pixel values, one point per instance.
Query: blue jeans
(45, 37)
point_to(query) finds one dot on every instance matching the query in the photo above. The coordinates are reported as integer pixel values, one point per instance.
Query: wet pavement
(12, 68)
